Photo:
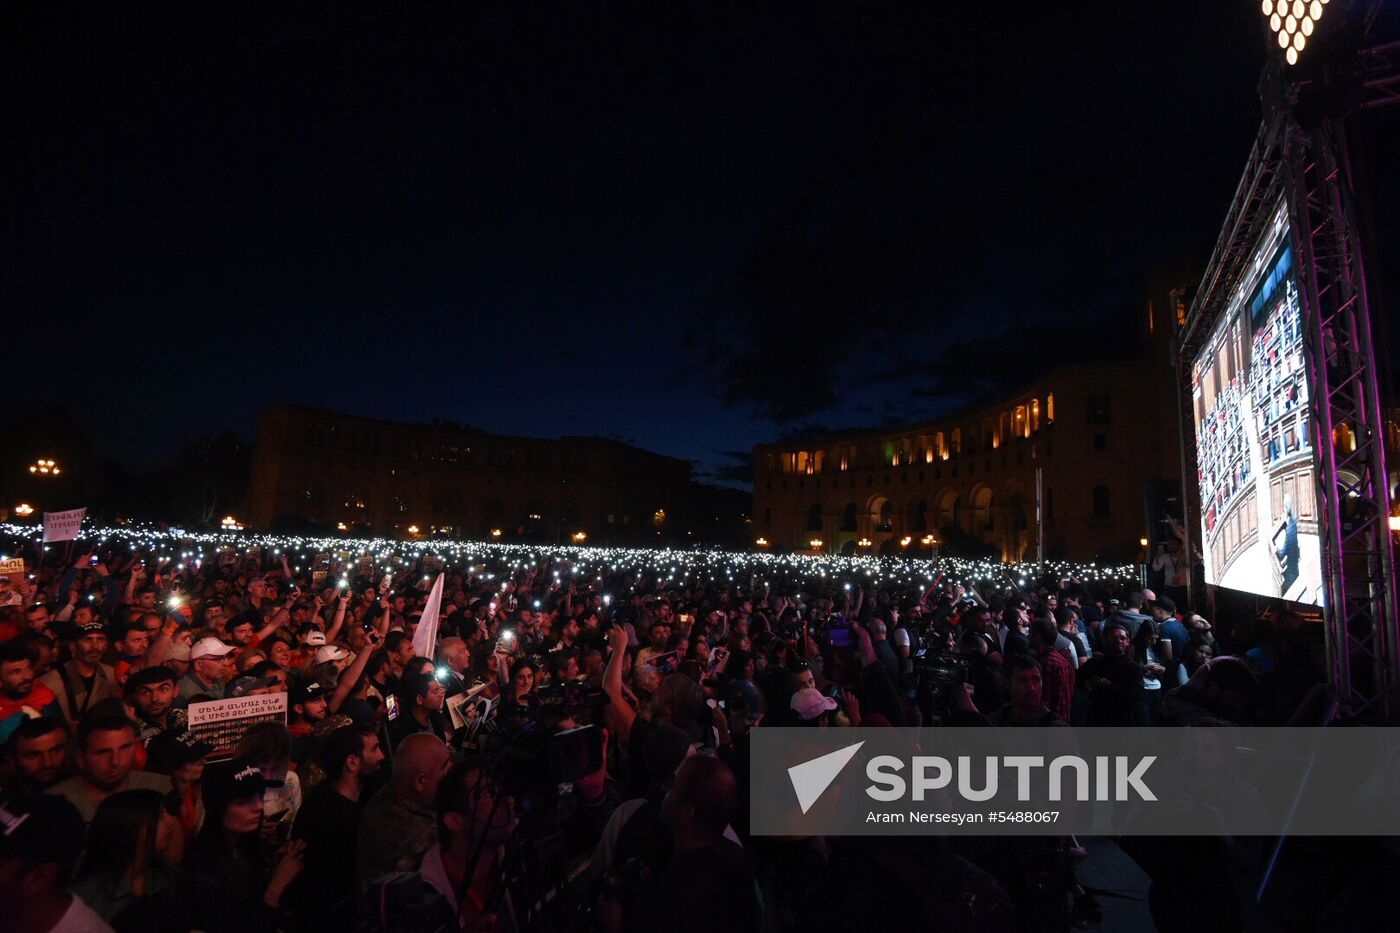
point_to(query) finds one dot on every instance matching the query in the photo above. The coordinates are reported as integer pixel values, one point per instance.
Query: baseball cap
(146, 676)
(43, 829)
(92, 628)
(331, 653)
(170, 750)
(314, 638)
(226, 781)
(308, 691)
(808, 703)
(210, 647)
(242, 686)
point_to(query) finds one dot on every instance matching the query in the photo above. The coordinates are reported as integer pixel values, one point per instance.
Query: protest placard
(63, 526)
(222, 723)
(14, 569)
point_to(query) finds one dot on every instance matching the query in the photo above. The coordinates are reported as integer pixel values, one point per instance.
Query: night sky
(692, 229)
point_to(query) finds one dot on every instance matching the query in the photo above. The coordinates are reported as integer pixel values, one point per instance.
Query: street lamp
(864, 542)
(580, 537)
(230, 524)
(413, 529)
(816, 544)
(762, 542)
(25, 510)
(44, 468)
(906, 541)
(495, 532)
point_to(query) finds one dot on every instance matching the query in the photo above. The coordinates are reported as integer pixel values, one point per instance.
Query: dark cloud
(736, 467)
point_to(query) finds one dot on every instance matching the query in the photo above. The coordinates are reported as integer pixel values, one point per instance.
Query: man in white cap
(208, 670)
(810, 708)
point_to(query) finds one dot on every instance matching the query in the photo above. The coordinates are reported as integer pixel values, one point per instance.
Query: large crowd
(572, 751)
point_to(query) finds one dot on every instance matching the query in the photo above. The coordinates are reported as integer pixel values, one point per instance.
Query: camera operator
(466, 865)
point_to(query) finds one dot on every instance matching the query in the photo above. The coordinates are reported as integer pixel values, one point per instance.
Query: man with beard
(85, 680)
(1112, 679)
(18, 691)
(129, 648)
(329, 822)
(152, 692)
(106, 752)
(36, 751)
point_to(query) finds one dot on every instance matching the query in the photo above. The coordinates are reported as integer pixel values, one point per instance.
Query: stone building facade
(1098, 432)
(325, 468)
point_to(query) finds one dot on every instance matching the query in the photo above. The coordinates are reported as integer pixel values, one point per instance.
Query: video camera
(571, 696)
(941, 668)
(939, 674)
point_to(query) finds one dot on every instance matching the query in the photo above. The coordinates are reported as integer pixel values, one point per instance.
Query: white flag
(63, 526)
(425, 638)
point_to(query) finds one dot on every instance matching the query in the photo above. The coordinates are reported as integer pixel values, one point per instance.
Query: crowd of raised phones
(568, 756)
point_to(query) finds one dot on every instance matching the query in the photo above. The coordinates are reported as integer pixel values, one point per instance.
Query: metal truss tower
(1301, 152)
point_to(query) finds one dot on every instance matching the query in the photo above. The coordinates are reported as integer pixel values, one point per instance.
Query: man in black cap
(85, 680)
(40, 841)
(171, 751)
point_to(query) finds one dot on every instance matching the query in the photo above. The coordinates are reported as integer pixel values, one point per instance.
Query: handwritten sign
(63, 526)
(222, 723)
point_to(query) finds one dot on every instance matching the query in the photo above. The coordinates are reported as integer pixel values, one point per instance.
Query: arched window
(918, 517)
(981, 509)
(814, 517)
(848, 517)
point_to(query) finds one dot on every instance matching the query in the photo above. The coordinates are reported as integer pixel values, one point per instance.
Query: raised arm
(619, 712)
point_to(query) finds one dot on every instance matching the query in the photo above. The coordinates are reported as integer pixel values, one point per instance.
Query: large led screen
(1255, 463)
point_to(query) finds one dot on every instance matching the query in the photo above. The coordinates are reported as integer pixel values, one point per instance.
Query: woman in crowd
(268, 745)
(228, 884)
(131, 860)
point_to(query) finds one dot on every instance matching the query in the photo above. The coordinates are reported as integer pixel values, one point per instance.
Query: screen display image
(1255, 461)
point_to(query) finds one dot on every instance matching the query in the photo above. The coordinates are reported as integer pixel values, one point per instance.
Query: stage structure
(1276, 367)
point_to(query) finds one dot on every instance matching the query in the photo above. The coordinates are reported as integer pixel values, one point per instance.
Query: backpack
(404, 903)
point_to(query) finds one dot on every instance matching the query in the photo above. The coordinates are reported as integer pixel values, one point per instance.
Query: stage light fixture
(1299, 41)
(1291, 56)
(1268, 7)
(1283, 40)
(1291, 24)
(1298, 7)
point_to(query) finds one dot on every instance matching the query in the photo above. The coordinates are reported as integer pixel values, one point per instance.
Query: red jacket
(41, 700)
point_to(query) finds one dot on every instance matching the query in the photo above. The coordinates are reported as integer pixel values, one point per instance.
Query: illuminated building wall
(1100, 431)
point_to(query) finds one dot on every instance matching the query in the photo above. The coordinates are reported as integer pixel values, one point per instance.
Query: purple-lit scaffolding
(1298, 177)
